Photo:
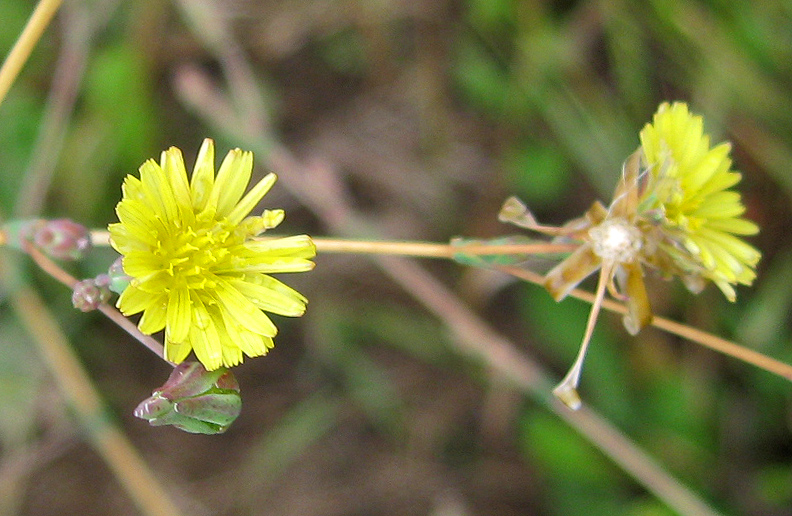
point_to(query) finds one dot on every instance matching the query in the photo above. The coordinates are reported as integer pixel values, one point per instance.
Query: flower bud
(88, 294)
(119, 280)
(194, 400)
(61, 239)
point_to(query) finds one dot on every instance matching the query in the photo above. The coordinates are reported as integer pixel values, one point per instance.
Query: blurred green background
(430, 113)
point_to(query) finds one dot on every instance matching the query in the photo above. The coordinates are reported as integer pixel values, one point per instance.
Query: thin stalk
(566, 391)
(703, 338)
(407, 248)
(114, 315)
(24, 45)
(435, 250)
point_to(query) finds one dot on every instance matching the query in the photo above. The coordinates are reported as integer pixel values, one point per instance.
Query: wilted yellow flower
(687, 199)
(197, 270)
(672, 210)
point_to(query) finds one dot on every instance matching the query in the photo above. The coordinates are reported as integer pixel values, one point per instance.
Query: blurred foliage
(432, 112)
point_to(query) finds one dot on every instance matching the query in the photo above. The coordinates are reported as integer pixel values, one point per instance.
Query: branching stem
(703, 338)
(448, 251)
(114, 315)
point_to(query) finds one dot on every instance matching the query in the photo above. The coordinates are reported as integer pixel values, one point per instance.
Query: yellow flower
(687, 199)
(197, 270)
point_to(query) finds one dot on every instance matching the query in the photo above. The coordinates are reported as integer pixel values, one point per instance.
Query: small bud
(63, 239)
(119, 280)
(103, 281)
(88, 294)
(194, 400)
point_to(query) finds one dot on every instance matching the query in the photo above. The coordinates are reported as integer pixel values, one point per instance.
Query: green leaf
(485, 260)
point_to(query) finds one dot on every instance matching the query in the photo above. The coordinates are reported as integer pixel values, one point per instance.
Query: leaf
(485, 260)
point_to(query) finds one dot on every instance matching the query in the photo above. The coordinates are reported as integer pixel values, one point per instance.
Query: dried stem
(408, 248)
(32, 32)
(566, 391)
(703, 338)
(473, 336)
(80, 22)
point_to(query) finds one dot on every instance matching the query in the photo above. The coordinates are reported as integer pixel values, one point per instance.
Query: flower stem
(566, 391)
(408, 248)
(114, 315)
(19, 54)
(700, 337)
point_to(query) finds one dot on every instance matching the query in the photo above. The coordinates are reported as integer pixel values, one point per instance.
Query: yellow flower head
(693, 219)
(197, 271)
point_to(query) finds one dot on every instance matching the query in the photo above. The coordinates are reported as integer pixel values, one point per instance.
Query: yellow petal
(243, 311)
(138, 220)
(703, 171)
(204, 337)
(720, 205)
(734, 226)
(252, 344)
(176, 352)
(179, 314)
(134, 300)
(158, 192)
(271, 295)
(298, 246)
(232, 355)
(732, 245)
(251, 199)
(153, 319)
(172, 162)
(232, 180)
(727, 290)
(202, 181)
(141, 264)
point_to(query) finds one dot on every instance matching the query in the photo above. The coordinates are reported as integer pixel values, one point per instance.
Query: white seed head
(615, 240)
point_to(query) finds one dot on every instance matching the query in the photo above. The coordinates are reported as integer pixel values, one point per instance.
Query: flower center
(191, 255)
(615, 240)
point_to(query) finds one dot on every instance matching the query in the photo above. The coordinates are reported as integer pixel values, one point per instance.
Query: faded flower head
(196, 269)
(672, 210)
